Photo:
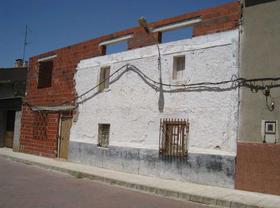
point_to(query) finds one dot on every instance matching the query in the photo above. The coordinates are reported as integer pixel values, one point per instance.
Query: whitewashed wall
(131, 106)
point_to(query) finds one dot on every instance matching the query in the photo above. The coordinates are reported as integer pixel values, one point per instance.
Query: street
(27, 186)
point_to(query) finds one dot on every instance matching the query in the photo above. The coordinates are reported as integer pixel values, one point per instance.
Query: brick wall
(44, 146)
(224, 17)
(221, 18)
(258, 167)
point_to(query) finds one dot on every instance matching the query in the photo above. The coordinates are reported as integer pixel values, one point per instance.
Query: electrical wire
(240, 81)
(235, 81)
(93, 88)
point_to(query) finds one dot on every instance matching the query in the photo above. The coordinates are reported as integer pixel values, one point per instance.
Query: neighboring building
(119, 127)
(12, 90)
(258, 163)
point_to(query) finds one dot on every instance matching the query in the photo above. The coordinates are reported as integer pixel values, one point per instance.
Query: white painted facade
(130, 106)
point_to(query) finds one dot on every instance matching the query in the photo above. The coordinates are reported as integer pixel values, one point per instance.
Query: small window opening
(116, 48)
(104, 78)
(45, 74)
(178, 34)
(115, 45)
(179, 65)
(103, 135)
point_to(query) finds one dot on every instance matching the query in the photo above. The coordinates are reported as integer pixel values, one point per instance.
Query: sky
(58, 23)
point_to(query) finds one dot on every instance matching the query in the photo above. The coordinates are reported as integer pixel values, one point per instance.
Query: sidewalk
(172, 189)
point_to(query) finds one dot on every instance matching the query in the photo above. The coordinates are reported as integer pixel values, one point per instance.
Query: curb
(139, 187)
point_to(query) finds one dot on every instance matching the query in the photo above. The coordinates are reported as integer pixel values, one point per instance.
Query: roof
(13, 74)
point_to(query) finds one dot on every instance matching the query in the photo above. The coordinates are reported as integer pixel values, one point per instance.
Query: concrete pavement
(210, 195)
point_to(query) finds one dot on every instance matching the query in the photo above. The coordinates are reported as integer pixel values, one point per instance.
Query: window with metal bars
(173, 139)
(104, 78)
(103, 135)
(45, 74)
(40, 125)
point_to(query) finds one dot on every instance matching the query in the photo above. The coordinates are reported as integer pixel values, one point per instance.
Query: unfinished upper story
(59, 86)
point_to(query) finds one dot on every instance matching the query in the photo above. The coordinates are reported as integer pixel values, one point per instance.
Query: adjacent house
(12, 91)
(162, 109)
(258, 149)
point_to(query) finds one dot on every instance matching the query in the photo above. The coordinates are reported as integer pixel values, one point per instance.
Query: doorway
(65, 126)
(9, 133)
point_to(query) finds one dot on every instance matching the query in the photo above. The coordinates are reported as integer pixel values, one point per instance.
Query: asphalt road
(26, 186)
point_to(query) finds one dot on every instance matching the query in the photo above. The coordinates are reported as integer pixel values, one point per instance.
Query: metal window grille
(40, 125)
(173, 140)
(103, 135)
(103, 80)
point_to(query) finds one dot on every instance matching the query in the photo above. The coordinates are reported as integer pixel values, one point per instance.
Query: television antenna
(27, 29)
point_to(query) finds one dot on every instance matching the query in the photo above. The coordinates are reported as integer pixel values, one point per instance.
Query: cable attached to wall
(200, 86)
(270, 105)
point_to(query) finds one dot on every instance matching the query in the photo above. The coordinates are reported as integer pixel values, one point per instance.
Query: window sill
(41, 88)
(103, 148)
(180, 82)
(105, 90)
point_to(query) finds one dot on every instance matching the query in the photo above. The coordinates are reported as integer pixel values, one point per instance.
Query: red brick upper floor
(55, 84)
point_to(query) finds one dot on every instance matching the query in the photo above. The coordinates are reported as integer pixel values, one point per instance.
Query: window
(173, 137)
(45, 74)
(178, 30)
(40, 125)
(104, 78)
(115, 45)
(178, 66)
(179, 34)
(103, 135)
(116, 48)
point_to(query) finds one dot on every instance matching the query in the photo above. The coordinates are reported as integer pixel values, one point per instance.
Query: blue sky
(58, 23)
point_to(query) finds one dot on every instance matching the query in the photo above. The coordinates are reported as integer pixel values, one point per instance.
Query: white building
(118, 123)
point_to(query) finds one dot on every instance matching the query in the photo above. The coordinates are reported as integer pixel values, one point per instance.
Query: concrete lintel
(115, 40)
(177, 25)
(47, 58)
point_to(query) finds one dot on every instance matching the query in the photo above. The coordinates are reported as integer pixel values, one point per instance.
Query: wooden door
(66, 123)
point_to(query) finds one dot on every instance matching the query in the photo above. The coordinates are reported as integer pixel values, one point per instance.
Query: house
(12, 91)
(119, 125)
(258, 149)
(136, 111)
